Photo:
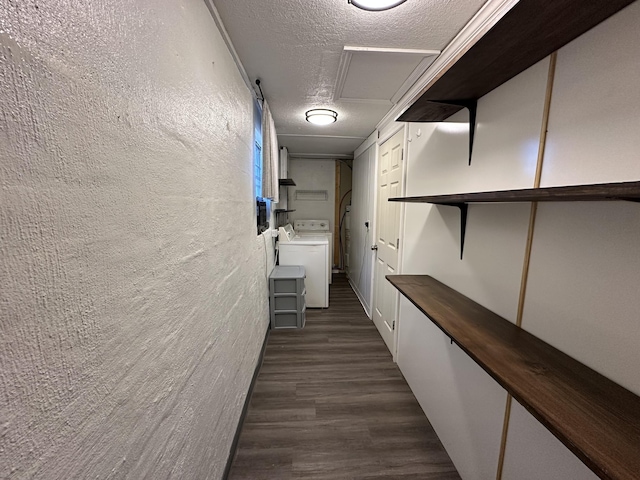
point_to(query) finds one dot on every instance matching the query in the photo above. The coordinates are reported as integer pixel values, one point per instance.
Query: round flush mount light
(375, 5)
(321, 116)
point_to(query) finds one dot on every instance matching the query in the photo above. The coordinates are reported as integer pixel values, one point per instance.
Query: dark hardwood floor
(329, 403)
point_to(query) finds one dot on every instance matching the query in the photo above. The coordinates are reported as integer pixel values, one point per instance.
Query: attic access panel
(529, 32)
(379, 75)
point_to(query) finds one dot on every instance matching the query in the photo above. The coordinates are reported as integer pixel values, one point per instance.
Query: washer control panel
(311, 225)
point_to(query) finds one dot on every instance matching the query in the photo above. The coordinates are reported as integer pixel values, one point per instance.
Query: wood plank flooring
(329, 403)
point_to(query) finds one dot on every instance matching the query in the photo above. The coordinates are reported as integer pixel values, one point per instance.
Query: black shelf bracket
(440, 110)
(464, 209)
(472, 106)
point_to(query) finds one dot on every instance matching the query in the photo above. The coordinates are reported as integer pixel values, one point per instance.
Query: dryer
(305, 228)
(311, 252)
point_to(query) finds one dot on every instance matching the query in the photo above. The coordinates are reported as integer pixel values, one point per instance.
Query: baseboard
(247, 400)
(357, 292)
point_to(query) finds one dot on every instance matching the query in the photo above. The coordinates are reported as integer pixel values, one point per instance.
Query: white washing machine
(306, 228)
(312, 252)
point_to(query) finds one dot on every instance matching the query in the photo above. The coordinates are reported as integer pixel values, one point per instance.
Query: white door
(385, 299)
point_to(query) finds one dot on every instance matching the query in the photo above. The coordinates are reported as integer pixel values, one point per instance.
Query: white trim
(403, 192)
(343, 71)
(390, 131)
(487, 17)
(354, 287)
(374, 225)
(411, 51)
(227, 40)
(345, 137)
(413, 77)
(321, 155)
(371, 140)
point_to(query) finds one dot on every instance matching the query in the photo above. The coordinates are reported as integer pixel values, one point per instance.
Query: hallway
(329, 403)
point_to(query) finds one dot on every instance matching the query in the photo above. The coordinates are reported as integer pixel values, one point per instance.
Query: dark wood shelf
(573, 193)
(286, 182)
(529, 32)
(594, 417)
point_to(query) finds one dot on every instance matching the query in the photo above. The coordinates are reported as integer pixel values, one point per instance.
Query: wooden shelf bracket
(464, 209)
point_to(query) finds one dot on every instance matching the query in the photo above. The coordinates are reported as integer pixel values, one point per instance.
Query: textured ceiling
(295, 46)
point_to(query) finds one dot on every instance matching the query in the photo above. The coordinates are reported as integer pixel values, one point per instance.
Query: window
(262, 205)
(257, 150)
(257, 170)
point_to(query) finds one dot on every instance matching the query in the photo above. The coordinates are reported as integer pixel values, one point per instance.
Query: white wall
(582, 291)
(313, 174)
(133, 299)
(468, 407)
(362, 210)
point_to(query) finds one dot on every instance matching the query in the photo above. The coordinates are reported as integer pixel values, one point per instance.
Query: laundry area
(394, 239)
(312, 220)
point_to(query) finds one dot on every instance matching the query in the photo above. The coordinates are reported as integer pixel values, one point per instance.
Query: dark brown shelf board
(572, 193)
(529, 32)
(287, 182)
(597, 419)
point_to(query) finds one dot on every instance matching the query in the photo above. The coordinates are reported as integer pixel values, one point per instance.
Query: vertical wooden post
(527, 255)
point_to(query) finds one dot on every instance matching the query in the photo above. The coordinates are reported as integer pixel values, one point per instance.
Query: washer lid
(286, 233)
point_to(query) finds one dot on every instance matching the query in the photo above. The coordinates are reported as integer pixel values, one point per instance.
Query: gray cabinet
(286, 296)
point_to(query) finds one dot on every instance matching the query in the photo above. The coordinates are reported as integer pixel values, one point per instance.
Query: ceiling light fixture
(321, 116)
(375, 5)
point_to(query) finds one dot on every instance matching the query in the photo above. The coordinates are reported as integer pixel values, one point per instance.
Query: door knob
(374, 247)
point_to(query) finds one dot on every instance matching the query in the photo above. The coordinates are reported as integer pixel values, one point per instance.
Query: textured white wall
(133, 298)
(582, 289)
